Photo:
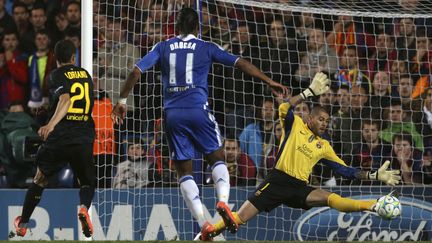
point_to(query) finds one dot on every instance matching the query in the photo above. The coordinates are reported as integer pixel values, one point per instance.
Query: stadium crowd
(380, 97)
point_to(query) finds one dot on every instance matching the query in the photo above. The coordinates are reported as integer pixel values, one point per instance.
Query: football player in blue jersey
(185, 63)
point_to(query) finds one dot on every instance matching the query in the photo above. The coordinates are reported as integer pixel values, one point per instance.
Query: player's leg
(321, 198)
(220, 174)
(190, 190)
(47, 164)
(84, 169)
(32, 199)
(182, 150)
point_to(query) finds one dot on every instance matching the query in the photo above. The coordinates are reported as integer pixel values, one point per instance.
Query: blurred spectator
(270, 160)
(241, 168)
(302, 110)
(257, 138)
(406, 40)
(74, 34)
(41, 63)
(425, 127)
(5, 19)
(384, 55)
(20, 15)
(420, 58)
(38, 21)
(237, 90)
(347, 32)
(99, 30)
(152, 35)
(319, 57)
(349, 72)
(407, 159)
(347, 130)
(136, 171)
(380, 97)
(398, 68)
(208, 21)
(412, 107)
(280, 59)
(158, 14)
(61, 23)
(222, 34)
(396, 119)
(15, 127)
(73, 14)
(116, 58)
(371, 153)
(103, 148)
(13, 71)
(158, 153)
(304, 22)
(328, 101)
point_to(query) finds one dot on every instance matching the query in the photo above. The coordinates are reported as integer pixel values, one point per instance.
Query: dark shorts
(51, 159)
(279, 188)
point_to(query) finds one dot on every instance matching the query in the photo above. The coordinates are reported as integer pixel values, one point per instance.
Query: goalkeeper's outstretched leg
(316, 198)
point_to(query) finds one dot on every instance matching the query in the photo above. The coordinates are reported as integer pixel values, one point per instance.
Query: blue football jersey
(185, 64)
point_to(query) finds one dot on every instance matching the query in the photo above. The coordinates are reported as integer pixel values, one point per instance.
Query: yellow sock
(347, 204)
(220, 225)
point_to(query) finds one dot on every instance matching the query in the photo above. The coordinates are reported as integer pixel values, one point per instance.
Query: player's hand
(320, 84)
(389, 177)
(278, 88)
(45, 131)
(118, 113)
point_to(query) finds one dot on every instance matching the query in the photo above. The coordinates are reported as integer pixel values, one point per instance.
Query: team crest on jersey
(319, 145)
(311, 138)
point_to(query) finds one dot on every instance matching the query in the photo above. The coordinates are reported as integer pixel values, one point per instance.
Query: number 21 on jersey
(82, 93)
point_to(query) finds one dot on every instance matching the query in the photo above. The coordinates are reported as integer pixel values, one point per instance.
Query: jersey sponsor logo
(305, 150)
(331, 225)
(182, 45)
(76, 74)
(75, 117)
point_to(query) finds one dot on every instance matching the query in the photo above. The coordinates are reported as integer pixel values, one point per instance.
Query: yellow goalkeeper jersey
(300, 149)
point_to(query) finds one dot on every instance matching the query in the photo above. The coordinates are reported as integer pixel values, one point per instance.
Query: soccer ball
(389, 207)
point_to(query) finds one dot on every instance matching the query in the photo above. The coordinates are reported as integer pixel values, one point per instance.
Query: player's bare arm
(60, 112)
(119, 111)
(253, 71)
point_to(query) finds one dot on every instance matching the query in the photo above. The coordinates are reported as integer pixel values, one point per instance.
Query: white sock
(221, 179)
(190, 193)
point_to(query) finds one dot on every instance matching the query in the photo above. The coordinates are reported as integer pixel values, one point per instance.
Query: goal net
(377, 55)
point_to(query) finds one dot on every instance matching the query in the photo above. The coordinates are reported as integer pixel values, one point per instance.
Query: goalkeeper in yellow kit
(300, 149)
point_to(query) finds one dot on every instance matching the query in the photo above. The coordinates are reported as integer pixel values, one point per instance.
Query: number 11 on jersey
(187, 69)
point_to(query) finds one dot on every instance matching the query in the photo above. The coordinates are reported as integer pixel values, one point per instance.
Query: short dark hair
(64, 50)
(404, 137)
(19, 4)
(318, 108)
(187, 21)
(42, 32)
(371, 122)
(72, 32)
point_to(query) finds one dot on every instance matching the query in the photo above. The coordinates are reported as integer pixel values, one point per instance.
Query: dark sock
(86, 195)
(32, 199)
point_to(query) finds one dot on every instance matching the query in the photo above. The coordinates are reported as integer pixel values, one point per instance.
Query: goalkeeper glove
(389, 177)
(320, 85)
